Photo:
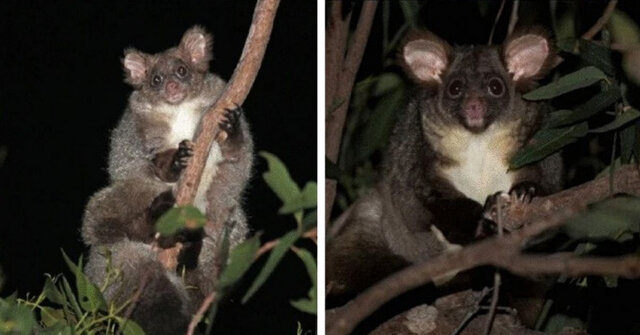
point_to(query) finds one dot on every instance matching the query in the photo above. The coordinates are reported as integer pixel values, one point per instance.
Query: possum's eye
(496, 87)
(156, 80)
(455, 88)
(181, 71)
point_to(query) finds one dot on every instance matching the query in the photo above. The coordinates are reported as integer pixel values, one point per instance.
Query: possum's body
(448, 153)
(149, 149)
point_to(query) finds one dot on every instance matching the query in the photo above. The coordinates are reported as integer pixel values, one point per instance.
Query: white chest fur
(184, 121)
(481, 166)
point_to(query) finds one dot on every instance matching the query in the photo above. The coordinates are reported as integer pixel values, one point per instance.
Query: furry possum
(150, 147)
(447, 158)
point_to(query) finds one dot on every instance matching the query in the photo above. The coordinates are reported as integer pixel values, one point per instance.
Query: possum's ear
(135, 67)
(528, 55)
(424, 57)
(195, 46)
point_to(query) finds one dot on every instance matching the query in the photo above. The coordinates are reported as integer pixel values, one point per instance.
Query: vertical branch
(495, 22)
(341, 75)
(235, 93)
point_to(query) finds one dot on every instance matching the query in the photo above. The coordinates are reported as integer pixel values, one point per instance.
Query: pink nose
(475, 108)
(172, 86)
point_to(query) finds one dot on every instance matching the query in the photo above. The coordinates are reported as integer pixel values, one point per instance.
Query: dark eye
(156, 80)
(181, 71)
(496, 87)
(455, 88)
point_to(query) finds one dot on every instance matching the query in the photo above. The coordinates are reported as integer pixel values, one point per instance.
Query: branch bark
(235, 93)
(504, 251)
(340, 71)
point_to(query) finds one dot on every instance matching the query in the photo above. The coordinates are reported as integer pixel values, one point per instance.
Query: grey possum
(149, 149)
(447, 157)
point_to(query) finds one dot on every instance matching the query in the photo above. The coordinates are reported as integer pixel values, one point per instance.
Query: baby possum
(448, 153)
(149, 149)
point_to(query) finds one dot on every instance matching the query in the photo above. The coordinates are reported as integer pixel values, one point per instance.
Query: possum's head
(174, 75)
(476, 85)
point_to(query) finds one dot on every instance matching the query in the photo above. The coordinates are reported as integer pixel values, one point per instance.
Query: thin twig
(513, 19)
(495, 22)
(606, 15)
(200, 313)
(345, 70)
(496, 275)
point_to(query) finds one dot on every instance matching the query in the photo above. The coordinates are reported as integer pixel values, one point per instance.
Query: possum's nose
(475, 108)
(172, 86)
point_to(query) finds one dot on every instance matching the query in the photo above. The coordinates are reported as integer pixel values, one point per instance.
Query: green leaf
(310, 221)
(546, 142)
(623, 29)
(59, 328)
(598, 55)
(483, 7)
(240, 260)
(50, 316)
(52, 292)
(386, 83)
(16, 319)
(275, 257)
(594, 105)
(579, 79)
(631, 64)
(91, 298)
(620, 120)
(71, 297)
(177, 218)
(558, 322)
(306, 199)
(278, 179)
(375, 132)
(129, 327)
(627, 140)
(607, 219)
(565, 30)
(308, 305)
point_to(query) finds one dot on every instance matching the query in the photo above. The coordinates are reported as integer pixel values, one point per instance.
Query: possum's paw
(230, 124)
(182, 156)
(521, 193)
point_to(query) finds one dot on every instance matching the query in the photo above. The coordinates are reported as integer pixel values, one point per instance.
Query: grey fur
(118, 217)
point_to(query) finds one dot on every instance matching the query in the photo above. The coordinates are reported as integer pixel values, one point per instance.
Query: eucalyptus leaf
(52, 292)
(624, 29)
(240, 260)
(308, 305)
(306, 199)
(278, 178)
(16, 319)
(129, 327)
(50, 316)
(90, 297)
(410, 10)
(546, 142)
(177, 218)
(59, 328)
(582, 78)
(598, 55)
(607, 219)
(620, 120)
(310, 221)
(274, 259)
(596, 104)
(627, 140)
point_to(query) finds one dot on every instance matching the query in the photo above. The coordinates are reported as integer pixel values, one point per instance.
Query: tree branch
(341, 73)
(513, 19)
(504, 252)
(606, 15)
(235, 93)
(200, 313)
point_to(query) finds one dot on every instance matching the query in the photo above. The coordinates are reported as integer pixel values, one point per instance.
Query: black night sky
(62, 92)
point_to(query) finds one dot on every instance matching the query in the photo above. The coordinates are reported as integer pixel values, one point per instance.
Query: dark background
(62, 92)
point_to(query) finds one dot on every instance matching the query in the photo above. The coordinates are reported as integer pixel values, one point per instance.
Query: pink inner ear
(196, 47)
(426, 59)
(526, 55)
(136, 66)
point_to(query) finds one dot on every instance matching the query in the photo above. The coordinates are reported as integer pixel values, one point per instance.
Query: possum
(150, 147)
(447, 157)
